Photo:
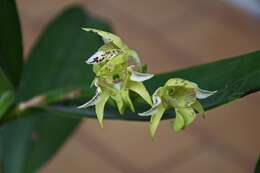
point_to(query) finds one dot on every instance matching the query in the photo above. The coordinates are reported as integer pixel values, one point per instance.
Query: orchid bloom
(181, 95)
(115, 76)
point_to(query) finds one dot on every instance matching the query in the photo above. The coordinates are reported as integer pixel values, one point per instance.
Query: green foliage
(29, 142)
(233, 78)
(11, 50)
(55, 66)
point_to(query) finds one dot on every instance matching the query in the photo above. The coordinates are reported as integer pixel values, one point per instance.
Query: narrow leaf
(11, 50)
(55, 65)
(233, 78)
(29, 142)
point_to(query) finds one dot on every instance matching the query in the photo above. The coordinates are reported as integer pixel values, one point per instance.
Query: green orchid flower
(180, 94)
(115, 76)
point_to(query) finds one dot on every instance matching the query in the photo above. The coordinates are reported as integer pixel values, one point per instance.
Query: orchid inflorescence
(118, 70)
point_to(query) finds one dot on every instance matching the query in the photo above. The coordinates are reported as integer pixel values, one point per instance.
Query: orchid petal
(100, 56)
(93, 101)
(140, 89)
(140, 77)
(198, 107)
(107, 37)
(100, 105)
(174, 82)
(156, 99)
(127, 100)
(156, 102)
(137, 76)
(202, 94)
(134, 56)
(188, 114)
(178, 123)
(155, 120)
(119, 102)
(149, 112)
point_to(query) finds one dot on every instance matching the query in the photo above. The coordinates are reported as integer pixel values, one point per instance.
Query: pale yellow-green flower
(115, 75)
(180, 94)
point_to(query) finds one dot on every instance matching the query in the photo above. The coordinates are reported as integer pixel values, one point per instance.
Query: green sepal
(100, 105)
(155, 120)
(140, 89)
(178, 123)
(119, 102)
(127, 100)
(199, 108)
(188, 114)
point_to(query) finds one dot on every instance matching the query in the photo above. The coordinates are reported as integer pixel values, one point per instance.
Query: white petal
(102, 55)
(149, 112)
(140, 77)
(202, 94)
(93, 101)
(96, 58)
(156, 100)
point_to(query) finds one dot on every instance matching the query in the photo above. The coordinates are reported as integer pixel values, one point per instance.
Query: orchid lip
(96, 58)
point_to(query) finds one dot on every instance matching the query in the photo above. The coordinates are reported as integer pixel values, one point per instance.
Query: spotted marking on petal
(100, 56)
(181, 82)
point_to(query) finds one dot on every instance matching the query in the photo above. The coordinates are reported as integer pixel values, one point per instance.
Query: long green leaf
(233, 78)
(58, 59)
(4, 82)
(29, 142)
(11, 50)
(6, 100)
(55, 64)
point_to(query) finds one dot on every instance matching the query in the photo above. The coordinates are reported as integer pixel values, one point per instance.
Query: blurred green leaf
(56, 64)
(6, 100)
(257, 166)
(31, 141)
(58, 59)
(233, 78)
(4, 82)
(11, 50)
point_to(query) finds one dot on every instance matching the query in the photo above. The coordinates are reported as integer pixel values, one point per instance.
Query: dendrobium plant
(181, 95)
(115, 75)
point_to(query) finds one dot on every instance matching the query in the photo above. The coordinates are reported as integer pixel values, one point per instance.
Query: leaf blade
(36, 143)
(233, 78)
(11, 50)
(55, 64)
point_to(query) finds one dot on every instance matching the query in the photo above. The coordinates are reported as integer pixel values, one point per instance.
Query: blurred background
(168, 34)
